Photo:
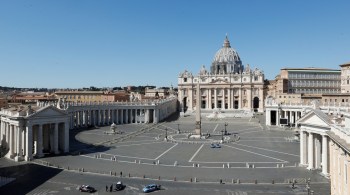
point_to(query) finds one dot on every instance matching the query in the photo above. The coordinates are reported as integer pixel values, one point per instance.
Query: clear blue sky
(83, 43)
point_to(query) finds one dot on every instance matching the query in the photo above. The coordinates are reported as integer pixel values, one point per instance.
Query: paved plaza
(251, 155)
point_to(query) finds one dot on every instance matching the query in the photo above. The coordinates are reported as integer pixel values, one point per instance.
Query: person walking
(106, 188)
(111, 188)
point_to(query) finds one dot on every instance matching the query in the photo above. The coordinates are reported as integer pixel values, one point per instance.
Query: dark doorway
(184, 103)
(204, 105)
(219, 104)
(273, 117)
(255, 104)
(236, 104)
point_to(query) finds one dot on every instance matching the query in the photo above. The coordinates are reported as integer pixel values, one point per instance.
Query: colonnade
(273, 116)
(25, 139)
(107, 116)
(84, 115)
(314, 152)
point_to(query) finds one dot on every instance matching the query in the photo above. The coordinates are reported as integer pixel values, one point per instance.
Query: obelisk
(198, 130)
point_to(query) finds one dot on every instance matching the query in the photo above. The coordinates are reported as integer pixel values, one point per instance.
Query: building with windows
(311, 80)
(345, 77)
(227, 86)
(92, 96)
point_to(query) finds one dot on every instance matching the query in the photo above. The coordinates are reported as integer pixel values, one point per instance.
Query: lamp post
(225, 128)
(166, 133)
(222, 135)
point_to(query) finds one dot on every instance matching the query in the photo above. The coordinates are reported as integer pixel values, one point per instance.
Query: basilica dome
(226, 60)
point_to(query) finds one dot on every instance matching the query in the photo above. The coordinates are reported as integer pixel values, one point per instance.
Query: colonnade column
(19, 144)
(113, 116)
(66, 137)
(11, 141)
(29, 141)
(55, 139)
(147, 116)
(325, 155)
(127, 116)
(156, 116)
(1, 131)
(303, 147)
(311, 151)
(317, 151)
(39, 151)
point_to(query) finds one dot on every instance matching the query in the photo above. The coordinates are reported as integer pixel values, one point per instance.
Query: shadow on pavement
(78, 147)
(27, 177)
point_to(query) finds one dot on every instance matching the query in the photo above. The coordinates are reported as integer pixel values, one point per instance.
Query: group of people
(110, 188)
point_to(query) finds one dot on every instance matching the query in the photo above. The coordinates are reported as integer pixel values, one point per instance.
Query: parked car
(151, 188)
(119, 186)
(215, 146)
(87, 188)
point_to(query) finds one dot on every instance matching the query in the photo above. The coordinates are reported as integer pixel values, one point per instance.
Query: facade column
(39, 148)
(190, 98)
(116, 116)
(240, 98)
(55, 139)
(223, 99)
(209, 100)
(278, 117)
(215, 98)
(249, 98)
(325, 155)
(268, 117)
(261, 100)
(303, 148)
(66, 137)
(229, 100)
(29, 143)
(19, 144)
(311, 151)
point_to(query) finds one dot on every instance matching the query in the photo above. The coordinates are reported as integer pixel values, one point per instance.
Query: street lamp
(166, 133)
(225, 128)
(222, 135)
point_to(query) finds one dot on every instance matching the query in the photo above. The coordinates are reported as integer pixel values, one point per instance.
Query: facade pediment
(48, 112)
(315, 118)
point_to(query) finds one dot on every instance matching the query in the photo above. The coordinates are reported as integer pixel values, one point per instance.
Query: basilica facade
(228, 85)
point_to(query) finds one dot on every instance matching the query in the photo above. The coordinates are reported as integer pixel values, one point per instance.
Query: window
(185, 80)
